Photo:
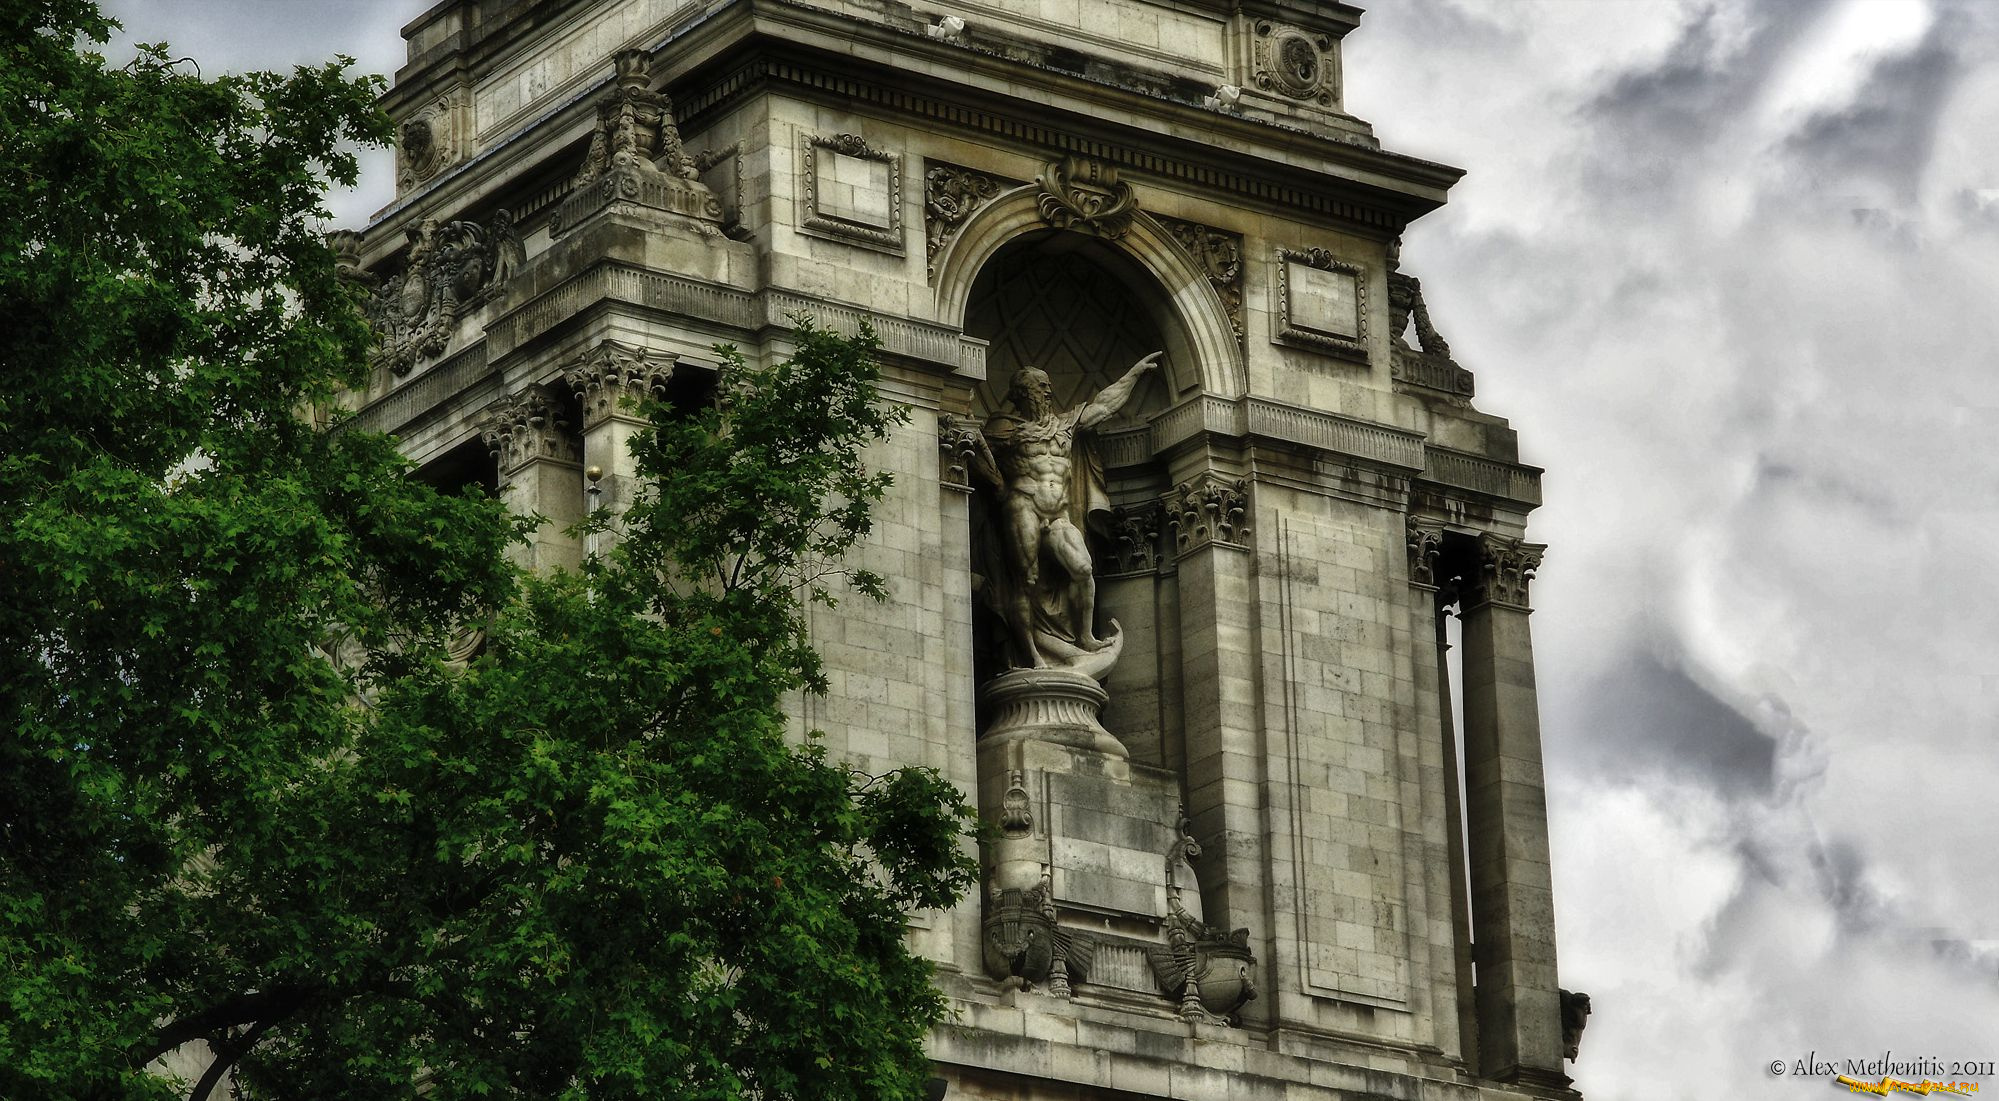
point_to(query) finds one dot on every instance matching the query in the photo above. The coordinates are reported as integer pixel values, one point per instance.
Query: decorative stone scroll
(1321, 302)
(1085, 194)
(1296, 63)
(1209, 509)
(1218, 254)
(452, 267)
(636, 157)
(1506, 567)
(950, 195)
(528, 426)
(1430, 367)
(851, 192)
(612, 379)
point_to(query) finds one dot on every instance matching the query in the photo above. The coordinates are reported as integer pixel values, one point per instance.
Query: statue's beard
(1035, 406)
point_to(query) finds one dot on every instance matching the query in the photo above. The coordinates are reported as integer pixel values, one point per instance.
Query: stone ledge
(1237, 417)
(1175, 1060)
(1512, 482)
(750, 312)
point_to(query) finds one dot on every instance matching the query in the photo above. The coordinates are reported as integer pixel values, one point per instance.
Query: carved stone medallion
(1296, 63)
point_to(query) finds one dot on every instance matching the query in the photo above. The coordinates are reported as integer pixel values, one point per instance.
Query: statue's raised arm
(1112, 398)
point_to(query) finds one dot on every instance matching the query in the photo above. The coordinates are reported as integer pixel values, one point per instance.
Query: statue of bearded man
(1045, 587)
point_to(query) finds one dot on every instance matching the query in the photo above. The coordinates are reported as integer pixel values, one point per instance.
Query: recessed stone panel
(1321, 303)
(851, 191)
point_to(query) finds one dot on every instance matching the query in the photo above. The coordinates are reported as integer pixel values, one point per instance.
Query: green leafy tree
(589, 864)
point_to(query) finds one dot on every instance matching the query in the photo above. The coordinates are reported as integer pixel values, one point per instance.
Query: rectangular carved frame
(813, 221)
(1303, 336)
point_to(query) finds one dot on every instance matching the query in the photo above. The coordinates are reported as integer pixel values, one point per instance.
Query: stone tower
(1177, 619)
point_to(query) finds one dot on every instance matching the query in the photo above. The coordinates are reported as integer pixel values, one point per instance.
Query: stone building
(1178, 620)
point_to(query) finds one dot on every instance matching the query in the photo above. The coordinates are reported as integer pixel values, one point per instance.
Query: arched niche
(1085, 309)
(1202, 352)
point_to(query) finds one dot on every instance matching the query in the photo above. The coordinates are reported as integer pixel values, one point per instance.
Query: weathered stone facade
(1231, 855)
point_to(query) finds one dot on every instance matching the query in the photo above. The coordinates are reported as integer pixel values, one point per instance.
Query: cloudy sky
(1730, 268)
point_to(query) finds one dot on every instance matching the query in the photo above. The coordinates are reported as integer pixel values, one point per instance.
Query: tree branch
(257, 1007)
(226, 1055)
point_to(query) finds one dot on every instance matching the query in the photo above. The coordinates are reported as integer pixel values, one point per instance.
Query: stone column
(611, 381)
(540, 473)
(1219, 656)
(1512, 903)
(1457, 1023)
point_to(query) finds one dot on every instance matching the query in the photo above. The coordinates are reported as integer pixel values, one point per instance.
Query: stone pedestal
(1055, 706)
(1087, 887)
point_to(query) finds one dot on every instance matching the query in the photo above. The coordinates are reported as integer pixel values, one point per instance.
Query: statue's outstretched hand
(1149, 362)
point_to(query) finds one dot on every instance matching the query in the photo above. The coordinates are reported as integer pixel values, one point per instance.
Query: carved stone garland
(452, 267)
(1218, 254)
(1085, 194)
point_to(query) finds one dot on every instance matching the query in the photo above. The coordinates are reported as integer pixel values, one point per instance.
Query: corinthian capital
(1426, 545)
(528, 426)
(1506, 566)
(612, 379)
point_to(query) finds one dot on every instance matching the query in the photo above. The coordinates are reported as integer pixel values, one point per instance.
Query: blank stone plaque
(853, 190)
(1324, 301)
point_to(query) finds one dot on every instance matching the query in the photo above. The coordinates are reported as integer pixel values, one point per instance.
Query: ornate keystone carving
(529, 426)
(950, 195)
(1219, 256)
(1209, 509)
(1296, 63)
(635, 156)
(452, 267)
(612, 379)
(1085, 194)
(1506, 566)
(1136, 531)
(1431, 367)
(1426, 543)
